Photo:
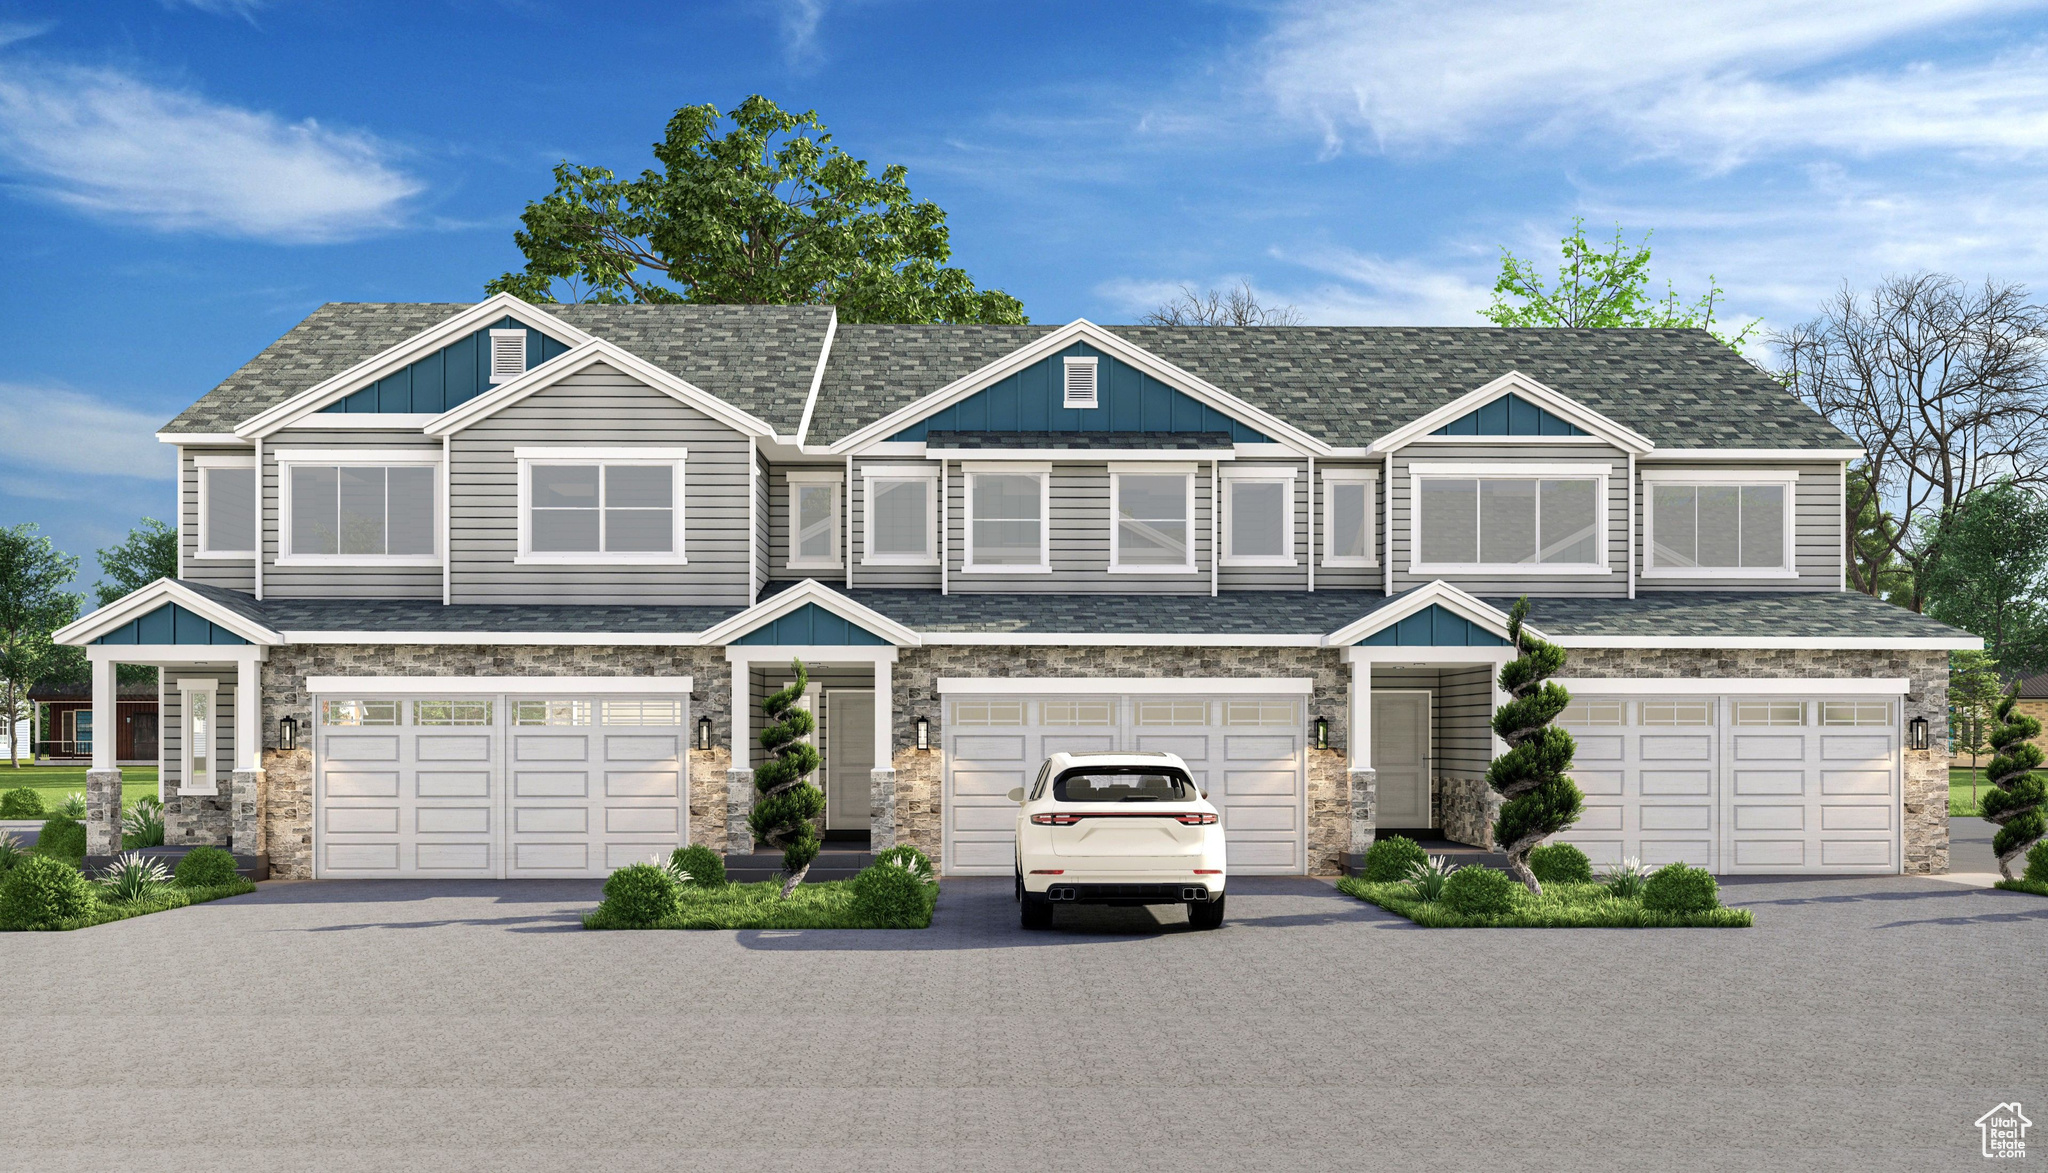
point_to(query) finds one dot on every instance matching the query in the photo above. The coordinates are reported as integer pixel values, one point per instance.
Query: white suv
(1117, 828)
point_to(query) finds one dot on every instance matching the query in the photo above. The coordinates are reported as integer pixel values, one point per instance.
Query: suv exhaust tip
(1195, 895)
(1060, 893)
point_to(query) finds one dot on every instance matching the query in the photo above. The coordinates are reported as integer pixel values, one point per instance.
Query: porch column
(739, 777)
(103, 780)
(248, 795)
(1363, 778)
(882, 779)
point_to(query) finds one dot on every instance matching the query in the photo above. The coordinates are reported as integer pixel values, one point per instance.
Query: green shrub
(133, 876)
(43, 893)
(910, 859)
(21, 803)
(1479, 891)
(705, 867)
(62, 836)
(205, 867)
(639, 896)
(1392, 858)
(891, 895)
(1676, 888)
(1561, 863)
(2037, 864)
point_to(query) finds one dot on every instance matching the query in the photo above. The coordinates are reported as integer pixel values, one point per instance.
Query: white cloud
(800, 29)
(115, 146)
(242, 8)
(1357, 289)
(52, 439)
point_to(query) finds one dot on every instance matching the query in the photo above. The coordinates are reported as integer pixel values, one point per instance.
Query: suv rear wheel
(1206, 915)
(1037, 912)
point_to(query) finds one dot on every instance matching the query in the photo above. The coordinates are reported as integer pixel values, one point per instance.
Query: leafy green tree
(1874, 567)
(1599, 287)
(2017, 792)
(785, 811)
(771, 213)
(1974, 691)
(148, 553)
(33, 605)
(1533, 774)
(1985, 573)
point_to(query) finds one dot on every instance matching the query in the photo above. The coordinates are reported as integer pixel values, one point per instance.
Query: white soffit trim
(811, 653)
(332, 421)
(594, 351)
(1119, 685)
(147, 599)
(1556, 403)
(803, 427)
(1082, 330)
(1744, 686)
(1957, 643)
(1437, 593)
(1071, 455)
(809, 590)
(397, 357)
(195, 439)
(519, 684)
(1752, 454)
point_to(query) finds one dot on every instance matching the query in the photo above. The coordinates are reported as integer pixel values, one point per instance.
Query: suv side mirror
(1016, 794)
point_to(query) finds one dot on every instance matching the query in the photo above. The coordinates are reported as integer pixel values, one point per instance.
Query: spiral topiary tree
(786, 806)
(2017, 792)
(1531, 775)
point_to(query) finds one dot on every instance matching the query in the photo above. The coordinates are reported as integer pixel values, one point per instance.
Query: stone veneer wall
(290, 798)
(1470, 808)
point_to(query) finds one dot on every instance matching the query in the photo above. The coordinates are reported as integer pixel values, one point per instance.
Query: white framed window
(1080, 391)
(196, 700)
(1349, 504)
(601, 506)
(551, 713)
(1258, 517)
(988, 714)
(508, 355)
(1862, 714)
(1152, 519)
(813, 520)
(900, 513)
(359, 712)
(1007, 507)
(359, 507)
(1776, 713)
(1718, 523)
(643, 712)
(227, 506)
(1601, 712)
(1543, 519)
(1680, 714)
(451, 712)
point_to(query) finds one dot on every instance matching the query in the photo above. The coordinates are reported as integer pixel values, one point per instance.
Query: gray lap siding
(1504, 458)
(336, 580)
(231, 573)
(1816, 534)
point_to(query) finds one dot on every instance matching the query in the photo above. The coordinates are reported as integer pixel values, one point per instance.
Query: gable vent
(1080, 383)
(508, 355)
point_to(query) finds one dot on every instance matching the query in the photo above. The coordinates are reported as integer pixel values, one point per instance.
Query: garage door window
(451, 712)
(988, 714)
(359, 712)
(1708, 528)
(643, 712)
(1081, 713)
(1872, 714)
(1173, 713)
(1772, 713)
(1594, 713)
(550, 713)
(1678, 713)
(1260, 712)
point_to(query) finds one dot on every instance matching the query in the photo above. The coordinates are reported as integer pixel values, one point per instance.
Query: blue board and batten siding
(1510, 415)
(170, 624)
(1433, 627)
(1129, 401)
(811, 625)
(452, 375)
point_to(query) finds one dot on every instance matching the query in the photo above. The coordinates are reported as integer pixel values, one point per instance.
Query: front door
(142, 731)
(850, 750)
(1400, 756)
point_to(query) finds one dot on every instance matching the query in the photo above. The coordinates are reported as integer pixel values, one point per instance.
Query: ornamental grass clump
(1392, 858)
(697, 866)
(785, 812)
(1678, 889)
(1479, 891)
(74, 805)
(910, 858)
(1624, 880)
(11, 854)
(1561, 863)
(1429, 877)
(132, 876)
(205, 867)
(21, 803)
(2017, 792)
(639, 896)
(44, 893)
(143, 826)
(1532, 775)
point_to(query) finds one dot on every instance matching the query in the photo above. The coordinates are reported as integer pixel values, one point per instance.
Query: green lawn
(56, 782)
(1562, 906)
(164, 901)
(826, 905)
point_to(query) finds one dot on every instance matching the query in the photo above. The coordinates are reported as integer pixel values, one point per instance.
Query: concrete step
(754, 867)
(249, 867)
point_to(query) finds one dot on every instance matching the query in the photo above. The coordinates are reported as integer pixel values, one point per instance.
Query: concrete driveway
(341, 1026)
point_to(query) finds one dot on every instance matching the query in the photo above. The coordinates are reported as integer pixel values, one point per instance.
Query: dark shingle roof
(760, 359)
(1349, 385)
(1793, 614)
(1082, 441)
(429, 615)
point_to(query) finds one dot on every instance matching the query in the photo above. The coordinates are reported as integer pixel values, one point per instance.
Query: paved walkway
(346, 1026)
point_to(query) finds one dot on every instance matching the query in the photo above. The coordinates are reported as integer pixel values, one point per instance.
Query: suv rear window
(1123, 784)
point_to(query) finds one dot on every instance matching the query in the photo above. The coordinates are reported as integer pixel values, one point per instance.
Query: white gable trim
(1520, 384)
(803, 427)
(404, 354)
(596, 350)
(1080, 330)
(809, 590)
(146, 599)
(1438, 593)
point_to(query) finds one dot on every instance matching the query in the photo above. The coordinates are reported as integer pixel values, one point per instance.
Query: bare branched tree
(1235, 307)
(1946, 388)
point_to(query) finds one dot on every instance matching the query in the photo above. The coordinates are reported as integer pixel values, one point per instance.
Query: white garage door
(501, 786)
(1737, 784)
(1247, 752)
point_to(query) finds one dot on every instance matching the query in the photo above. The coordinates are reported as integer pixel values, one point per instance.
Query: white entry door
(1400, 757)
(849, 758)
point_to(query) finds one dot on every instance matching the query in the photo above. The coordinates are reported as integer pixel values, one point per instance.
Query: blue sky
(181, 180)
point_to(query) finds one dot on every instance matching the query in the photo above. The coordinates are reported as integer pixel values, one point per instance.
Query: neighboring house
(64, 724)
(497, 590)
(2033, 702)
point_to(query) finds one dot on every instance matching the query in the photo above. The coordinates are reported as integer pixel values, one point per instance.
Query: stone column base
(739, 803)
(249, 795)
(881, 810)
(1470, 809)
(1364, 801)
(103, 811)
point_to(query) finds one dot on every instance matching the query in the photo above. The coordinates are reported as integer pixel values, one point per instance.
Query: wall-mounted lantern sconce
(1916, 733)
(924, 733)
(703, 733)
(1322, 733)
(288, 733)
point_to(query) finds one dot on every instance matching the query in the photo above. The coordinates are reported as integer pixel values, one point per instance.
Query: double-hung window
(600, 506)
(1719, 523)
(1258, 516)
(226, 506)
(360, 507)
(1538, 519)
(901, 510)
(1006, 518)
(813, 520)
(1348, 503)
(1152, 531)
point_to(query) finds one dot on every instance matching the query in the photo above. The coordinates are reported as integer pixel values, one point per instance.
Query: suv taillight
(1195, 819)
(1055, 820)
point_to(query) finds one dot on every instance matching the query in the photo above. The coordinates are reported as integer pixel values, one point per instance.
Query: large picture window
(1553, 521)
(1258, 517)
(1703, 525)
(601, 507)
(1348, 504)
(227, 506)
(1151, 532)
(359, 509)
(1006, 510)
(813, 521)
(899, 512)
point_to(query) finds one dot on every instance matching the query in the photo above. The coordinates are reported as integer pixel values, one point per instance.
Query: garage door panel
(1254, 783)
(551, 820)
(640, 783)
(1601, 852)
(1598, 781)
(1597, 749)
(452, 784)
(1856, 853)
(448, 747)
(452, 820)
(1265, 855)
(1844, 748)
(986, 783)
(619, 855)
(984, 855)
(1238, 748)
(531, 747)
(366, 820)
(1599, 818)
(1190, 749)
(1855, 782)
(368, 857)
(986, 818)
(1770, 853)
(1750, 747)
(560, 857)
(1695, 852)
(1856, 818)
(1077, 743)
(1699, 782)
(639, 820)
(1769, 782)
(1656, 817)
(1670, 748)
(551, 784)
(1770, 817)
(469, 857)
(357, 747)
(362, 784)
(1262, 818)
(978, 748)
(641, 748)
